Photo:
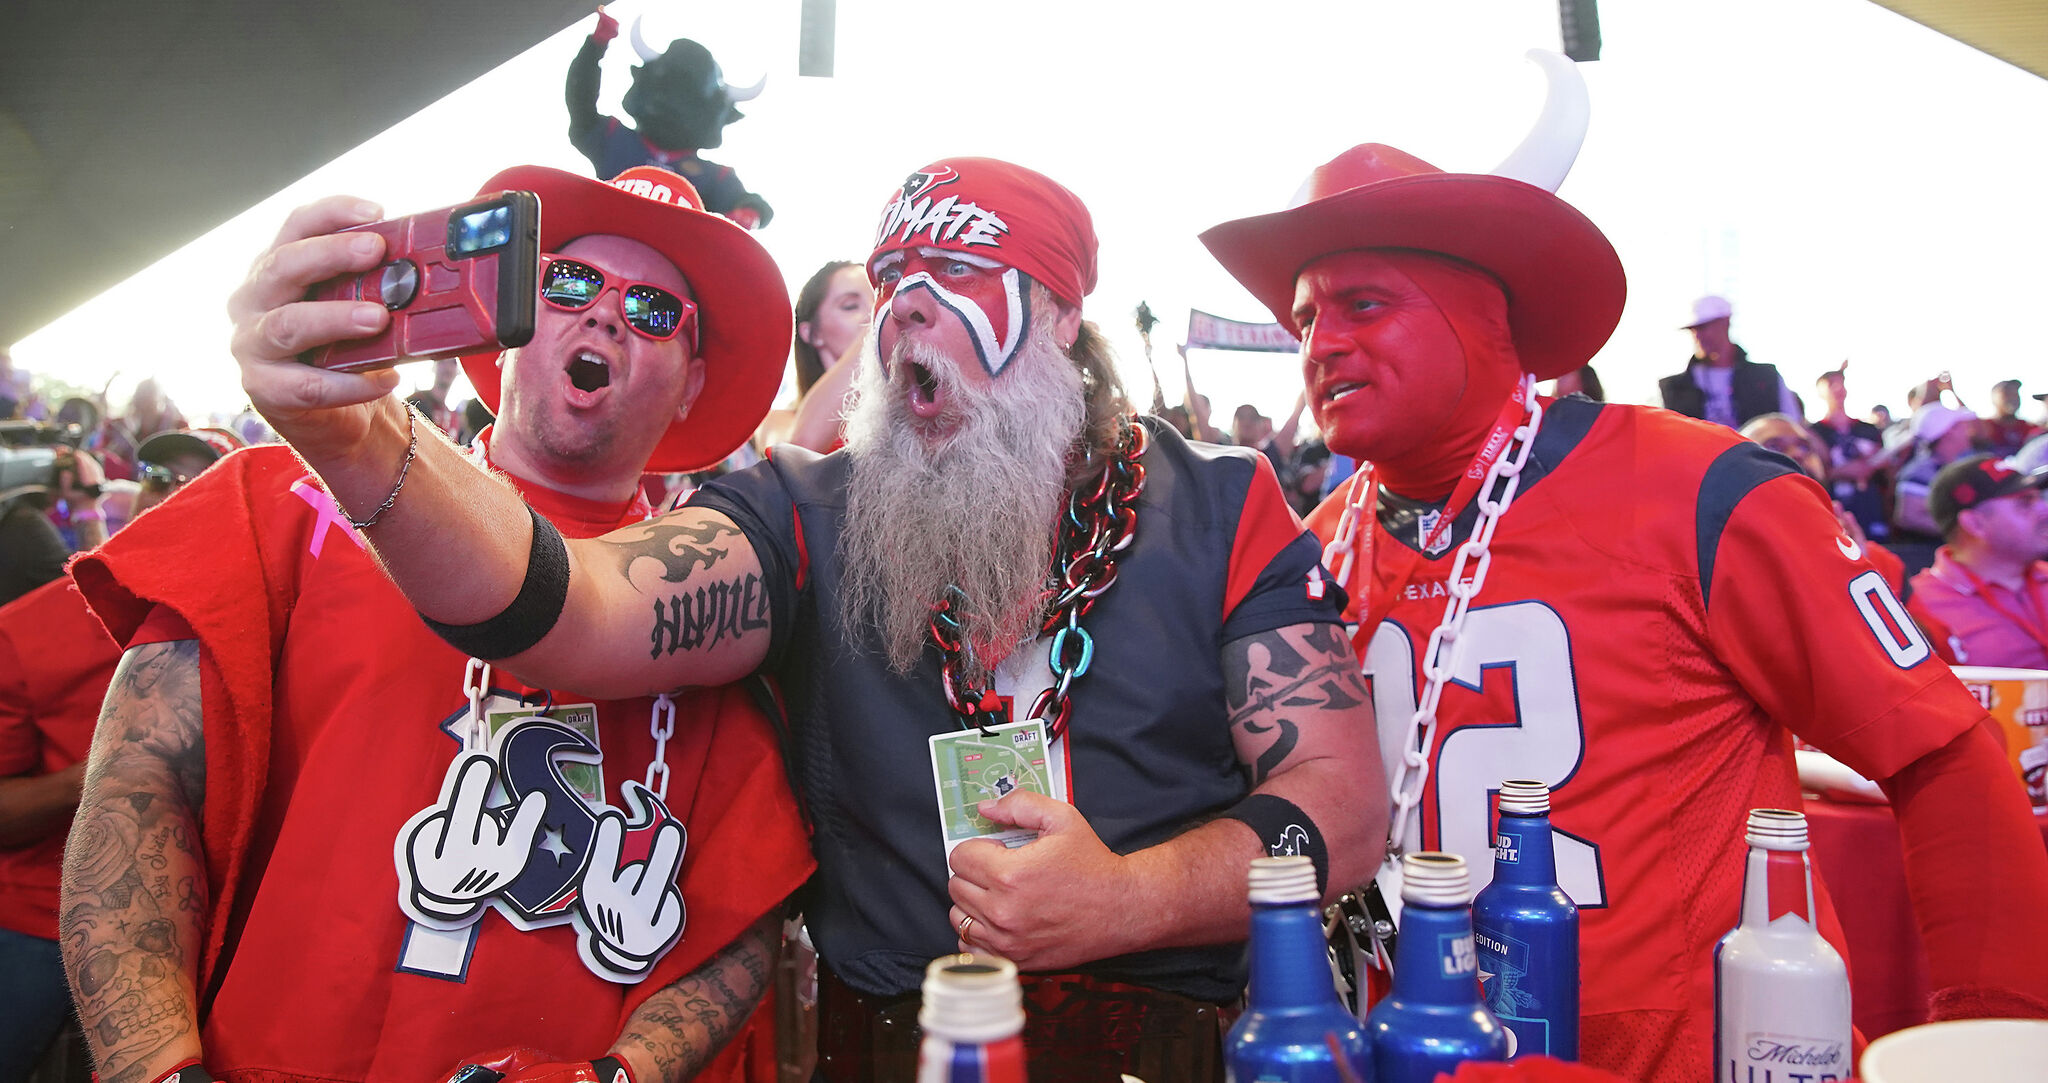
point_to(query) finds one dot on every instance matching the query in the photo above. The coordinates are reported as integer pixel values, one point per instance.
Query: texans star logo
(923, 181)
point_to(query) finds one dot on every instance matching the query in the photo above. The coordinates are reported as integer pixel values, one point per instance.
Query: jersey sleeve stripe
(1735, 473)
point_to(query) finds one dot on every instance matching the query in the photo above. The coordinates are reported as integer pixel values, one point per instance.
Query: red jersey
(55, 662)
(1665, 604)
(330, 720)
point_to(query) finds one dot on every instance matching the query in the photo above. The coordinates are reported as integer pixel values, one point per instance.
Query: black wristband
(611, 1070)
(531, 615)
(1285, 831)
(189, 1072)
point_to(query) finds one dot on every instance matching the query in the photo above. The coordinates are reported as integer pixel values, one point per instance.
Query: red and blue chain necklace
(1098, 525)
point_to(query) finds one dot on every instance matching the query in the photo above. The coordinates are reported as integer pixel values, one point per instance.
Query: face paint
(987, 297)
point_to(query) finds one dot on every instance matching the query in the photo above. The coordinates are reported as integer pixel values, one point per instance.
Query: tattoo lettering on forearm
(134, 891)
(712, 612)
(684, 1025)
(679, 548)
(1271, 685)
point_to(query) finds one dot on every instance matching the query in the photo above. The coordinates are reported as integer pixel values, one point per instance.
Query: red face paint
(988, 300)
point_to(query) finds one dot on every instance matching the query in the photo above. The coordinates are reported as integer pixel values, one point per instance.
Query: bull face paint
(988, 298)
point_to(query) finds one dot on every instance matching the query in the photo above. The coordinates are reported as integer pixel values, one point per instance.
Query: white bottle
(1781, 992)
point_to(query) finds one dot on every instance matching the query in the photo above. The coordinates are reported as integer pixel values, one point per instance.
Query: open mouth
(924, 390)
(1337, 392)
(588, 372)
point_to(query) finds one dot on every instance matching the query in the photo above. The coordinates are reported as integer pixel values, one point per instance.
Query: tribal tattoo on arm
(684, 1025)
(134, 884)
(696, 604)
(1278, 682)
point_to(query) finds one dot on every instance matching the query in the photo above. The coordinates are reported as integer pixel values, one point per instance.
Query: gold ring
(964, 923)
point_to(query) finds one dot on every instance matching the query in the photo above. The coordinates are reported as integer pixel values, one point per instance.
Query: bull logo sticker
(512, 833)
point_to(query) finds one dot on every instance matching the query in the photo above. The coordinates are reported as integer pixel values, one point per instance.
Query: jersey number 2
(1544, 740)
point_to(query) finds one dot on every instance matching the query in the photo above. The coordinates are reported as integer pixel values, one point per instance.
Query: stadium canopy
(129, 129)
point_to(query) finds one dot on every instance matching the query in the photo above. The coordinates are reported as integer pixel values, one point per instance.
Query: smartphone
(458, 280)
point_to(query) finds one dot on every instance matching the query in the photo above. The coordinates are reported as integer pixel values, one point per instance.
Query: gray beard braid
(977, 512)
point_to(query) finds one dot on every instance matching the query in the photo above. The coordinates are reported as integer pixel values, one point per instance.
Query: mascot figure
(680, 104)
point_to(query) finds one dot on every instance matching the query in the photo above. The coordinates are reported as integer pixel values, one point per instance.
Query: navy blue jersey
(1218, 556)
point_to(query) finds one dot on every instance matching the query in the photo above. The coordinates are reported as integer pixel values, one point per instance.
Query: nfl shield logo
(1425, 524)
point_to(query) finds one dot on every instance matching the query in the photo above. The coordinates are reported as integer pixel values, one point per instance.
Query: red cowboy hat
(1563, 280)
(743, 314)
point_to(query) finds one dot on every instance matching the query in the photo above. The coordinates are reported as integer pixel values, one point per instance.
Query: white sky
(1860, 186)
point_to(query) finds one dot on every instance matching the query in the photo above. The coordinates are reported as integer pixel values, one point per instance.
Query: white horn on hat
(737, 95)
(647, 52)
(1548, 151)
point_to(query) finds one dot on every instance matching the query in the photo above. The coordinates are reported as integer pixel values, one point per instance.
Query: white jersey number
(1898, 635)
(1545, 740)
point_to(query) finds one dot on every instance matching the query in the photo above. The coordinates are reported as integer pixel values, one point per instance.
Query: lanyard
(1511, 416)
(2030, 625)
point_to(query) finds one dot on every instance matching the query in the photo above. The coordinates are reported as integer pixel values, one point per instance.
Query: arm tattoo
(678, 548)
(134, 888)
(705, 610)
(684, 1025)
(1274, 681)
(717, 610)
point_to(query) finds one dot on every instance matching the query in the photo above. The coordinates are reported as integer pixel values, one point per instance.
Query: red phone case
(458, 280)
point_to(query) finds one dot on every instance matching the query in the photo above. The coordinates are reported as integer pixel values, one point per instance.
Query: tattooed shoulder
(153, 711)
(1277, 681)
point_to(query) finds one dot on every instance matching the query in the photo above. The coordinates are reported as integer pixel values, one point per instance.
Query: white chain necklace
(1505, 474)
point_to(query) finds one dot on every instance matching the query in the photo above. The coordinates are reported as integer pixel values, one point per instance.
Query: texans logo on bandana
(924, 181)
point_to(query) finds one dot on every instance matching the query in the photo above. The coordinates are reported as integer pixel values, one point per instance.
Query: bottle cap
(1777, 829)
(1278, 881)
(972, 998)
(1525, 797)
(1434, 878)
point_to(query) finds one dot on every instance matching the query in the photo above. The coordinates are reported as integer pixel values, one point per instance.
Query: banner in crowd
(1207, 332)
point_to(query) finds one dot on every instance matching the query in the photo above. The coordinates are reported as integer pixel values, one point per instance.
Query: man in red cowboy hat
(303, 807)
(1176, 700)
(1638, 609)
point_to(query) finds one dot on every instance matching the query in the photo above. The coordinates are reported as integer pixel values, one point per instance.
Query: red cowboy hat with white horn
(1563, 280)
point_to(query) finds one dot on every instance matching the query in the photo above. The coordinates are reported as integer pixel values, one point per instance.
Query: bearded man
(1070, 769)
(1635, 608)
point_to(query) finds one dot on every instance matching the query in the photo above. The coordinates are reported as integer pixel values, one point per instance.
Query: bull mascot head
(680, 104)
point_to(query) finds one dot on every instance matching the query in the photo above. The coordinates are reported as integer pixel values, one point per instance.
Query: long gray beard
(977, 512)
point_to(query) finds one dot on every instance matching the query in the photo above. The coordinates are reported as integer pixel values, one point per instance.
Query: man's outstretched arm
(135, 894)
(455, 539)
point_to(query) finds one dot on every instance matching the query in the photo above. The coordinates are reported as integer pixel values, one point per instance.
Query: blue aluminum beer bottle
(1432, 1021)
(1527, 930)
(1292, 1016)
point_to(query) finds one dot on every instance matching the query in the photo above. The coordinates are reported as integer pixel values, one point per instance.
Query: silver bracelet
(412, 447)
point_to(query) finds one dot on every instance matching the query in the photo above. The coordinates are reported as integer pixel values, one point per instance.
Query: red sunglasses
(656, 313)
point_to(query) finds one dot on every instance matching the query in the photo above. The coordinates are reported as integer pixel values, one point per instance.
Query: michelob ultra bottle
(1294, 1029)
(973, 1020)
(1527, 930)
(1432, 1020)
(1781, 993)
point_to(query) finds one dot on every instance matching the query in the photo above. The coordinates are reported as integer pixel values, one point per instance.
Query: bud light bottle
(1294, 1029)
(1527, 930)
(1432, 1020)
(973, 1020)
(1781, 993)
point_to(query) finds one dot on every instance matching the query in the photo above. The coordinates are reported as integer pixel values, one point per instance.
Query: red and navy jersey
(329, 721)
(55, 661)
(1218, 556)
(1666, 605)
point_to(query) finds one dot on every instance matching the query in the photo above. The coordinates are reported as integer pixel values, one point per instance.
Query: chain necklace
(1100, 522)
